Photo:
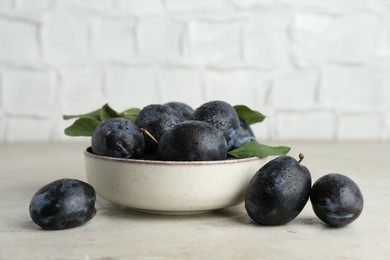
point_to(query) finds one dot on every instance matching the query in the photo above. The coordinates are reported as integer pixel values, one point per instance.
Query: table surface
(121, 233)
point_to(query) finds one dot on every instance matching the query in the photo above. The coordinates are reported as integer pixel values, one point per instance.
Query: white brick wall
(19, 41)
(319, 69)
(27, 91)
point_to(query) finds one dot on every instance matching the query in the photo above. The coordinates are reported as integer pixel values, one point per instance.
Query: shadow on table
(112, 210)
(235, 214)
(26, 224)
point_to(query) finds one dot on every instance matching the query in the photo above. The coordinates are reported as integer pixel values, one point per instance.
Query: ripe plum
(63, 204)
(223, 116)
(278, 192)
(157, 119)
(336, 199)
(118, 137)
(183, 109)
(192, 141)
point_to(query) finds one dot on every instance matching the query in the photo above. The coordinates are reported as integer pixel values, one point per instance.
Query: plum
(336, 199)
(183, 109)
(157, 119)
(278, 192)
(62, 204)
(118, 137)
(244, 134)
(223, 116)
(192, 141)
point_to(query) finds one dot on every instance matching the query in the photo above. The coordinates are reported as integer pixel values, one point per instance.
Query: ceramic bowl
(168, 187)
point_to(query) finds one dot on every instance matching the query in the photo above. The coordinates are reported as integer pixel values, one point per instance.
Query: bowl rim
(88, 153)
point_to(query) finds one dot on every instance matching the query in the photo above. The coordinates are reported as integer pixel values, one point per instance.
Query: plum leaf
(131, 113)
(83, 126)
(248, 115)
(106, 112)
(86, 123)
(93, 114)
(254, 149)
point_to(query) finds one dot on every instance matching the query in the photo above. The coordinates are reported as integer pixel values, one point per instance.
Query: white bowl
(168, 187)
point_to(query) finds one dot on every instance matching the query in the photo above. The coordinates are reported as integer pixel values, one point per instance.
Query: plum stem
(146, 132)
(301, 156)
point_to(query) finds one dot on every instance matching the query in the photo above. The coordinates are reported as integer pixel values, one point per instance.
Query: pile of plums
(174, 132)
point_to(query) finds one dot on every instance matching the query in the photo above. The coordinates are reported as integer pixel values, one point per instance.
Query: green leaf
(253, 149)
(84, 126)
(131, 113)
(106, 112)
(93, 114)
(248, 115)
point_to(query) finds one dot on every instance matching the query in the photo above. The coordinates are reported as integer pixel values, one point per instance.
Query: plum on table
(336, 199)
(278, 192)
(62, 204)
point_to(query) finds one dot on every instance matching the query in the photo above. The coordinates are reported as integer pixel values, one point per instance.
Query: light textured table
(120, 233)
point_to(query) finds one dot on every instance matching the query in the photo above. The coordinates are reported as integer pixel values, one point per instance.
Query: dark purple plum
(223, 116)
(336, 199)
(244, 134)
(183, 109)
(157, 119)
(278, 192)
(62, 204)
(118, 137)
(192, 141)
(246, 128)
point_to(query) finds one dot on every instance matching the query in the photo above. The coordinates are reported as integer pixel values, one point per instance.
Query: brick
(6, 5)
(305, 125)
(59, 47)
(215, 42)
(82, 89)
(252, 3)
(28, 91)
(237, 86)
(114, 39)
(360, 126)
(336, 6)
(128, 87)
(36, 5)
(19, 41)
(29, 129)
(136, 7)
(353, 38)
(351, 87)
(196, 6)
(307, 34)
(295, 89)
(89, 5)
(266, 40)
(159, 38)
(181, 84)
